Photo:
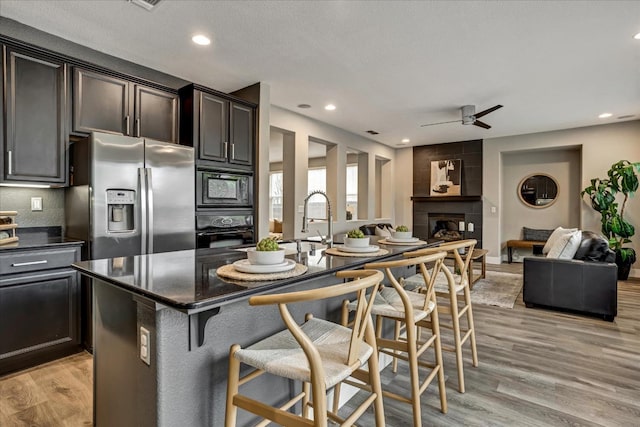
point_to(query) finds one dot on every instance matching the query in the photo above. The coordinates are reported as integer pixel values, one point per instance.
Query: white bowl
(401, 234)
(358, 242)
(265, 257)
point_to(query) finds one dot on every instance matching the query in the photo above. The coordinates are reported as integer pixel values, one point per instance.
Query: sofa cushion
(537, 235)
(557, 233)
(566, 246)
(594, 247)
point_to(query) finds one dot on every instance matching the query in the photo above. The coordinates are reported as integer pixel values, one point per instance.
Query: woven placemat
(229, 272)
(338, 252)
(416, 243)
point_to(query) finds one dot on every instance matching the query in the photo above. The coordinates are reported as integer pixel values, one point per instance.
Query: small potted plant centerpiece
(266, 252)
(402, 232)
(356, 239)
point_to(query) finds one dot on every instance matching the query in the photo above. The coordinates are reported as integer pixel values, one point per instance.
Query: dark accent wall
(470, 152)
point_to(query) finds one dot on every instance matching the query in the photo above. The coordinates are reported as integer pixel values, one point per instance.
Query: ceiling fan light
(605, 115)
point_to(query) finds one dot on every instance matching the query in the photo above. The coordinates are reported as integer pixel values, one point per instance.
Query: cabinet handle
(22, 264)
(233, 151)
(126, 123)
(137, 127)
(225, 148)
(9, 153)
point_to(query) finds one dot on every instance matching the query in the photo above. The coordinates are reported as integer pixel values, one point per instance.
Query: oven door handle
(220, 233)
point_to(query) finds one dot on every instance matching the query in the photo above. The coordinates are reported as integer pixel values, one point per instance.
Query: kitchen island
(164, 323)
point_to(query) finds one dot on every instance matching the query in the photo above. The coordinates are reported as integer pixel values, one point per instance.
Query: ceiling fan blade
(481, 124)
(440, 123)
(487, 111)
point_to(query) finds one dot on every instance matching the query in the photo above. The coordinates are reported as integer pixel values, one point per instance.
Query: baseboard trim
(494, 260)
(635, 273)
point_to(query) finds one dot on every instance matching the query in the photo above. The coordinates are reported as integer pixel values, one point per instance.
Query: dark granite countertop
(187, 281)
(39, 237)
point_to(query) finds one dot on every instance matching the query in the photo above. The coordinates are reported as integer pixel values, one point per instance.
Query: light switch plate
(36, 204)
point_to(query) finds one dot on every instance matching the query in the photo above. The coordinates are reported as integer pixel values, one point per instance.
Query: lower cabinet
(39, 317)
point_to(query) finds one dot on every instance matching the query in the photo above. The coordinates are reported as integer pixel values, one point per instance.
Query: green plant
(622, 178)
(355, 234)
(268, 244)
(402, 228)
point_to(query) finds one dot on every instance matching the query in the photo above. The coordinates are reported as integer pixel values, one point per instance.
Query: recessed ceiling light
(605, 115)
(405, 140)
(304, 106)
(637, 36)
(329, 107)
(200, 39)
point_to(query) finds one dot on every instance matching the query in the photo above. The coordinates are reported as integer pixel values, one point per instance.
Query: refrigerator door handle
(142, 180)
(149, 211)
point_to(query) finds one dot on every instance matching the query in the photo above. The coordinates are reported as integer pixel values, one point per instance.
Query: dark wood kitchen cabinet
(222, 128)
(39, 306)
(106, 103)
(34, 115)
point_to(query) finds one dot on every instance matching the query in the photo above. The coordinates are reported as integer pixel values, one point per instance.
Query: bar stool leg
(453, 298)
(396, 337)
(415, 379)
(374, 375)
(232, 387)
(435, 329)
(306, 388)
(472, 328)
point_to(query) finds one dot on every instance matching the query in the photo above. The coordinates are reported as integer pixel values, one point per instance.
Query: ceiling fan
(469, 116)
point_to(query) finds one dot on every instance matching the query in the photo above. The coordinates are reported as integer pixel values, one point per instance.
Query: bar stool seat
(389, 304)
(281, 355)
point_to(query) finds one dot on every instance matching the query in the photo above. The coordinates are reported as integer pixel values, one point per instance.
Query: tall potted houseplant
(622, 178)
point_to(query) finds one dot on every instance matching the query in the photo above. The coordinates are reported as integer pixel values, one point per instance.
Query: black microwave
(224, 189)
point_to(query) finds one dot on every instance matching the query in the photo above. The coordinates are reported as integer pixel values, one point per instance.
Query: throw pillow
(535, 234)
(557, 233)
(382, 231)
(566, 246)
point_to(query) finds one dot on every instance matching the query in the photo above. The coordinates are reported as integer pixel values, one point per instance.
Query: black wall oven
(224, 228)
(216, 189)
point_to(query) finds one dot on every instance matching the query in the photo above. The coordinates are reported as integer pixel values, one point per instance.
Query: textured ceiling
(388, 66)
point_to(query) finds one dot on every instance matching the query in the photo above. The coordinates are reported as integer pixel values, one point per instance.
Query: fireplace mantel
(446, 198)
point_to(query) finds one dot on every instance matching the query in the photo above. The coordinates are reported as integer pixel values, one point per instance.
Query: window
(352, 191)
(317, 180)
(275, 195)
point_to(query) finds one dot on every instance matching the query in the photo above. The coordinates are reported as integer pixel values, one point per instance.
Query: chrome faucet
(305, 226)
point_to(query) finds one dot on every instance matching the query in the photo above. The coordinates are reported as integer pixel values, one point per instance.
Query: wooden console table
(478, 255)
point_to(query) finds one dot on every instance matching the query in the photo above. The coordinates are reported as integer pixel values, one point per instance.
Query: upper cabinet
(222, 128)
(109, 104)
(35, 105)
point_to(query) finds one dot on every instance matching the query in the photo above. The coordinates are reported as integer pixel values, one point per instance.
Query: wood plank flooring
(537, 368)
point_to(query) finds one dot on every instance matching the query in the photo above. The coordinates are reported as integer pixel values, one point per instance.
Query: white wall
(601, 147)
(302, 128)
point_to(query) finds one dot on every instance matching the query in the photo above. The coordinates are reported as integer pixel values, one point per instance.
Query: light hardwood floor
(537, 368)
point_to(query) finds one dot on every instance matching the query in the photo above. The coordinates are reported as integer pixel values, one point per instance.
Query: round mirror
(538, 190)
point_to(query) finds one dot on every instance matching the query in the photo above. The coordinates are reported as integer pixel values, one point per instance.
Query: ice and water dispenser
(120, 210)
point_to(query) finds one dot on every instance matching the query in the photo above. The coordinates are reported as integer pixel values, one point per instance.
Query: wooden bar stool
(409, 311)
(455, 284)
(318, 353)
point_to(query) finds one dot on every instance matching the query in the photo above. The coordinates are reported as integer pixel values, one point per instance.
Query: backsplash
(19, 199)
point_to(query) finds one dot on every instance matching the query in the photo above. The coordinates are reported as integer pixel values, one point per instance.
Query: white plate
(244, 266)
(355, 249)
(409, 240)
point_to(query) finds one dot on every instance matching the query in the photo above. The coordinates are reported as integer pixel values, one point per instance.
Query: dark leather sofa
(586, 284)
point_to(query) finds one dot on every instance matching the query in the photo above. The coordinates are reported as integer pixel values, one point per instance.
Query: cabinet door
(100, 103)
(38, 319)
(35, 105)
(241, 134)
(156, 114)
(213, 143)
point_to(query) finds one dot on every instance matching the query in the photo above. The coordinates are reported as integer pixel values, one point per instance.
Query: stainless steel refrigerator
(130, 196)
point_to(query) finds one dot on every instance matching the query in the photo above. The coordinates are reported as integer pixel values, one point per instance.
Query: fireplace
(446, 227)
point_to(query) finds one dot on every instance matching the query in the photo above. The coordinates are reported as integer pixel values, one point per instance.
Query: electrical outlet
(145, 345)
(36, 204)
(470, 227)
(493, 209)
